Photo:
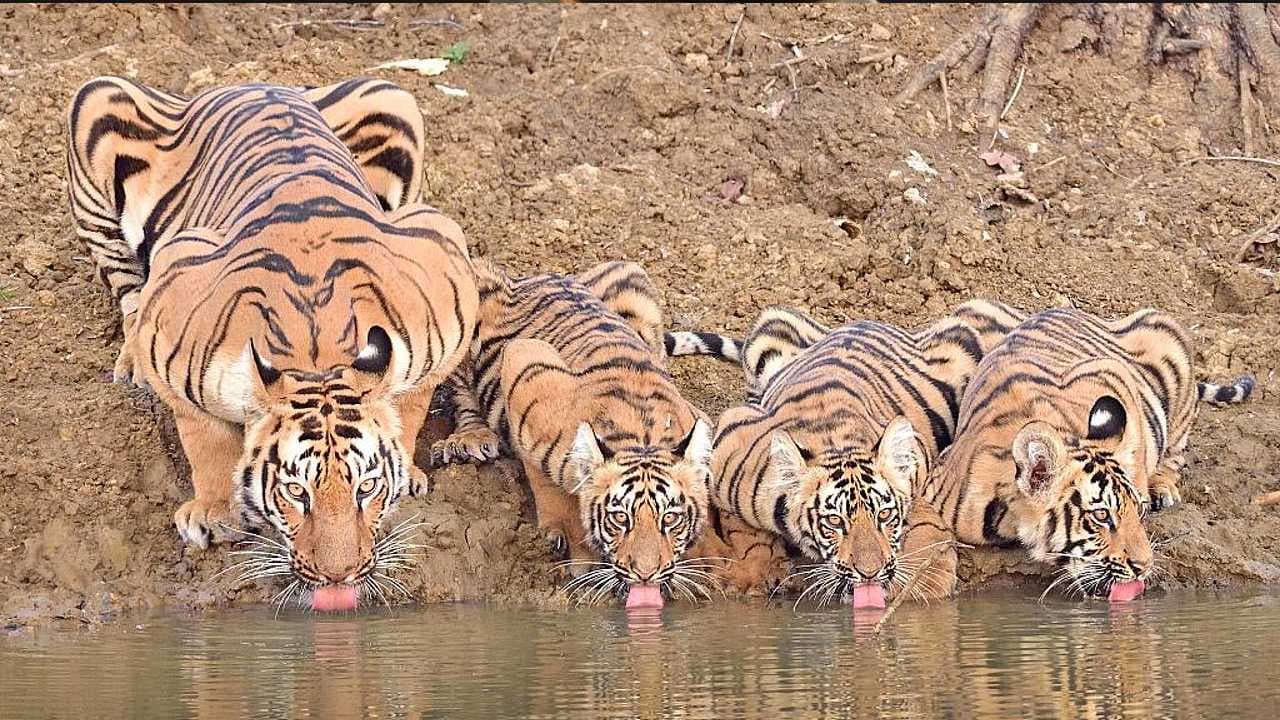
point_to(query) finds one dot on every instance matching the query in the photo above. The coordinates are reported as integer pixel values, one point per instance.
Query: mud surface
(594, 133)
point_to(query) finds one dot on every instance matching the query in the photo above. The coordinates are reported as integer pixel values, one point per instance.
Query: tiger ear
(1107, 419)
(266, 375)
(899, 455)
(1040, 455)
(695, 448)
(787, 462)
(375, 357)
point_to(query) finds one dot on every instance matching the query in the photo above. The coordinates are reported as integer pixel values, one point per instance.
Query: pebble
(879, 32)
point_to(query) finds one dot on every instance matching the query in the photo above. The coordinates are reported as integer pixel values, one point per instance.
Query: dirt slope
(594, 133)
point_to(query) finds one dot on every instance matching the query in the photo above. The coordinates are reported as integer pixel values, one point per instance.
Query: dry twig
(915, 579)
(1254, 236)
(946, 97)
(1229, 158)
(1017, 88)
(49, 66)
(733, 37)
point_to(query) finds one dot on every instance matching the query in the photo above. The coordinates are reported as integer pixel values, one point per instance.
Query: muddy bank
(594, 133)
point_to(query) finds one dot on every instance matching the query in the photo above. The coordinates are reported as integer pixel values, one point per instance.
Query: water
(1175, 656)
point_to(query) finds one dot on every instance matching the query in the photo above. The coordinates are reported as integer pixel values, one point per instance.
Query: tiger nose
(645, 570)
(341, 573)
(868, 566)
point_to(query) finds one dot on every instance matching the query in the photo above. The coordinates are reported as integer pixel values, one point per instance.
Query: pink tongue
(334, 597)
(868, 595)
(644, 596)
(1126, 591)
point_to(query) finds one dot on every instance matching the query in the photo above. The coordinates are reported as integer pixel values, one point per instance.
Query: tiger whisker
(283, 595)
(812, 586)
(254, 535)
(588, 578)
(680, 585)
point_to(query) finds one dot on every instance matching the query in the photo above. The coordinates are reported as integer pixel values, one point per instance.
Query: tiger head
(643, 507)
(848, 508)
(1086, 509)
(323, 464)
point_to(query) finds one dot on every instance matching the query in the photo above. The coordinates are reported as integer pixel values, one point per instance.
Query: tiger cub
(837, 437)
(569, 373)
(1070, 431)
(283, 291)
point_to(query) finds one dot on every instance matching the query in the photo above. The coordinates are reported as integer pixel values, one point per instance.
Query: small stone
(560, 224)
(36, 257)
(879, 32)
(697, 61)
(913, 195)
(46, 298)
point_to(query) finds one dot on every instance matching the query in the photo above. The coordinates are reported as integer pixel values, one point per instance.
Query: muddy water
(984, 657)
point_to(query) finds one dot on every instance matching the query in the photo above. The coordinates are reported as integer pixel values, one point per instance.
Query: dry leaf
(423, 66)
(451, 91)
(731, 189)
(999, 158)
(916, 162)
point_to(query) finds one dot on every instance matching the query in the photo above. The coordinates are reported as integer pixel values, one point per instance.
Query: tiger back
(1071, 430)
(568, 373)
(278, 280)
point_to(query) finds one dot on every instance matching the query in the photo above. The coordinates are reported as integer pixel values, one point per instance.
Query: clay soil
(592, 133)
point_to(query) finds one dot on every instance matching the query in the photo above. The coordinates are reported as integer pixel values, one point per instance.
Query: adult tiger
(283, 291)
(569, 373)
(837, 437)
(1071, 428)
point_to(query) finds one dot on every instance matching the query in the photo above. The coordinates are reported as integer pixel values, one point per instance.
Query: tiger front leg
(559, 517)
(126, 370)
(927, 564)
(750, 561)
(213, 449)
(413, 407)
(472, 440)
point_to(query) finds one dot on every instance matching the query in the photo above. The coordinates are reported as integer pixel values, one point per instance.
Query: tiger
(836, 438)
(567, 374)
(1072, 429)
(285, 293)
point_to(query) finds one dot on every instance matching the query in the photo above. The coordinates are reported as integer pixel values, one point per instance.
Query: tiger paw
(1164, 491)
(480, 445)
(125, 371)
(420, 483)
(202, 523)
(756, 575)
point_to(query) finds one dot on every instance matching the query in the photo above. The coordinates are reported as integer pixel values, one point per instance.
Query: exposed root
(994, 43)
(1232, 50)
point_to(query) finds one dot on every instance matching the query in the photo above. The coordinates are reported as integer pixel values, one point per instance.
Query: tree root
(994, 43)
(1232, 50)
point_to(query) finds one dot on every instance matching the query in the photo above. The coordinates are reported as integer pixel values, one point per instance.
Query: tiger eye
(1102, 515)
(885, 514)
(295, 490)
(367, 486)
(620, 517)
